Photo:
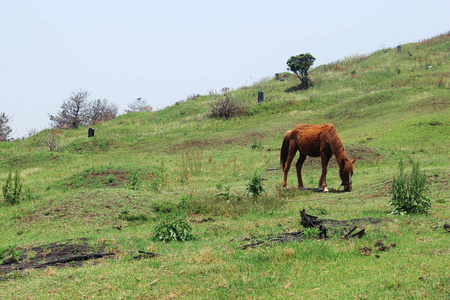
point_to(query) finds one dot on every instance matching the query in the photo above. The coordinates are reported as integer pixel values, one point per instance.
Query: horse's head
(346, 172)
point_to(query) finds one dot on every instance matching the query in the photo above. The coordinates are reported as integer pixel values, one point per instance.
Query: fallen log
(307, 221)
(71, 259)
(144, 254)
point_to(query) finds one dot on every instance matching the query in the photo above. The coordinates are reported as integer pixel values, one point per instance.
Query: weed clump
(10, 253)
(12, 189)
(255, 186)
(256, 145)
(408, 192)
(173, 227)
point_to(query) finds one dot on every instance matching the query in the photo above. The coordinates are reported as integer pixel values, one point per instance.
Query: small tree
(300, 65)
(73, 111)
(138, 105)
(5, 130)
(100, 111)
(79, 111)
(255, 186)
(52, 141)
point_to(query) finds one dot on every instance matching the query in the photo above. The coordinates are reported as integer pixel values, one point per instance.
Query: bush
(226, 107)
(408, 191)
(255, 187)
(256, 145)
(12, 189)
(10, 254)
(173, 227)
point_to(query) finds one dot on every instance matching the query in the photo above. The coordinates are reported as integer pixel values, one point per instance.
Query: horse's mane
(337, 147)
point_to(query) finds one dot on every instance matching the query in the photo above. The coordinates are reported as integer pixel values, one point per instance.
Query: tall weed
(12, 189)
(173, 227)
(408, 192)
(255, 186)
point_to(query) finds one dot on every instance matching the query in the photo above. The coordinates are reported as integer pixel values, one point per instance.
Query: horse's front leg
(323, 178)
(299, 166)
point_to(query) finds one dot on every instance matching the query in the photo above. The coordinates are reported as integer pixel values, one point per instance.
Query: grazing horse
(315, 141)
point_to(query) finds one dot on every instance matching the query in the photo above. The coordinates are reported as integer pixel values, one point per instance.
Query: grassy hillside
(140, 167)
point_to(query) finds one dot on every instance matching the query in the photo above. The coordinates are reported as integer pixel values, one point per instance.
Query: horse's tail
(285, 148)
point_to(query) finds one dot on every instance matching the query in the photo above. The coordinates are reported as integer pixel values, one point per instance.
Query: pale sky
(164, 51)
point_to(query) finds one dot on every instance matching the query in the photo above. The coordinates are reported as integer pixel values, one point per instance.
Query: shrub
(173, 227)
(255, 187)
(12, 189)
(408, 191)
(10, 253)
(52, 141)
(256, 145)
(225, 107)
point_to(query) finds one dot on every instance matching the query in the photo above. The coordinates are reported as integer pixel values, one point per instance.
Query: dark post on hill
(260, 97)
(90, 132)
(399, 49)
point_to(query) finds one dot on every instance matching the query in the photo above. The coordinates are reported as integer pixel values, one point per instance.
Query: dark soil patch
(70, 253)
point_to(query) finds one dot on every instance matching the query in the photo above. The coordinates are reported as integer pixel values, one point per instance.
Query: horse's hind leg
(299, 166)
(287, 165)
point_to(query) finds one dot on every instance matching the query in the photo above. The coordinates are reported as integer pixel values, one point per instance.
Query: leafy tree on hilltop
(300, 65)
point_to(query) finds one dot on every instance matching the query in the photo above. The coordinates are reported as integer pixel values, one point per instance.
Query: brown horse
(315, 141)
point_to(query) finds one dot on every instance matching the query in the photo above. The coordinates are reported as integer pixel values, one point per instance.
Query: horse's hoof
(325, 190)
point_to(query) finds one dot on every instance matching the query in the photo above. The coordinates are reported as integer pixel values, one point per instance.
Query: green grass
(386, 106)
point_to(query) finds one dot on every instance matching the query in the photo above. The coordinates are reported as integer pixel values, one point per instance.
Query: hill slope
(139, 167)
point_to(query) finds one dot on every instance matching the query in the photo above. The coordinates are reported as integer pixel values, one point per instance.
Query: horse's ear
(353, 160)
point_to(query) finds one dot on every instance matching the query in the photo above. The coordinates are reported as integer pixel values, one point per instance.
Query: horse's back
(309, 137)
